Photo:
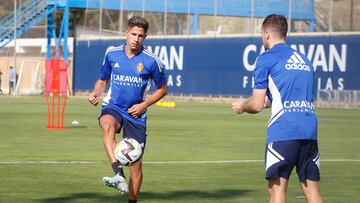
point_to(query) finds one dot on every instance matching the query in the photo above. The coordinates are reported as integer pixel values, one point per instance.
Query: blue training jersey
(288, 77)
(129, 79)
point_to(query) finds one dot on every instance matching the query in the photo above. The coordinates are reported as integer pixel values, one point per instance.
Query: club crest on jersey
(139, 67)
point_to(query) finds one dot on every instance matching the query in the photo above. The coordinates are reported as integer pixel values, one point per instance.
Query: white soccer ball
(128, 151)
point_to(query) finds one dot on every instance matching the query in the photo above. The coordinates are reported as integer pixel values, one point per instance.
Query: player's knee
(277, 186)
(136, 170)
(107, 128)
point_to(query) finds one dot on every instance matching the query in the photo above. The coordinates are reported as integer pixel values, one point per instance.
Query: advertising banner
(224, 65)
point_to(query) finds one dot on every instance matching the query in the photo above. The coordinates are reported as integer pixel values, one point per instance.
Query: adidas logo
(295, 62)
(116, 65)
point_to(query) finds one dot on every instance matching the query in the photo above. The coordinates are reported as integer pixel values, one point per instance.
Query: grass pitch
(183, 161)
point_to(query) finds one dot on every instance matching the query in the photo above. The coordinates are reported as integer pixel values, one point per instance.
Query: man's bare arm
(254, 104)
(137, 109)
(99, 89)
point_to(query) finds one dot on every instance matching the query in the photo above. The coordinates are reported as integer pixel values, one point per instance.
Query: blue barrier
(224, 66)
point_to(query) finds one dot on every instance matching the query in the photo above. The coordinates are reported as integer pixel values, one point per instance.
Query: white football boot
(118, 182)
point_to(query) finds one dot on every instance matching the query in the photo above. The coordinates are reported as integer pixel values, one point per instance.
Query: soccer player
(286, 78)
(129, 69)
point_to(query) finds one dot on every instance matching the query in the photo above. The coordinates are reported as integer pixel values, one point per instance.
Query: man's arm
(137, 109)
(267, 103)
(254, 104)
(99, 88)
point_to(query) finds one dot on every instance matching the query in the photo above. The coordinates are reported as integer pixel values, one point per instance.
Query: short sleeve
(261, 73)
(158, 74)
(105, 72)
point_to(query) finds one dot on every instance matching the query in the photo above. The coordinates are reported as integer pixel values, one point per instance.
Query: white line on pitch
(340, 160)
(49, 162)
(162, 162)
(202, 162)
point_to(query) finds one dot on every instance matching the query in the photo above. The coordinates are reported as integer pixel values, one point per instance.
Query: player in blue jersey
(129, 69)
(284, 79)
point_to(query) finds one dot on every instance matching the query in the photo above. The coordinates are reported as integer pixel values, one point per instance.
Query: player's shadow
(85, 197)
(173, 195)
(196, 194)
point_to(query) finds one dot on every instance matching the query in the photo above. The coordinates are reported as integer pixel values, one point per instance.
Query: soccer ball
(128, 151)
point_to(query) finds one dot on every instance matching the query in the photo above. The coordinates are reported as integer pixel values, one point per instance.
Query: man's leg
(10, 86)
(277, 190)
(135, 180)
(311, 190)
(110, 126)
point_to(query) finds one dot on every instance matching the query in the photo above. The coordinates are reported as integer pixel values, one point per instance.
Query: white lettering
(245, 81)
(334, 55)
(320, 59)
(329, 85)
(286, 104)
(127, 79)
(302, 105)
(178, 80)
(341, 84)
(170, 81)
(297, 66)
(310, 52)
(178, 58)
(164, 58)
(319, 84)
(248, 49)
(171, 58)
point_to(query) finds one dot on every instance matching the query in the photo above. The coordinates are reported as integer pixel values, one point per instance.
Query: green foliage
(190, 132)
(74, 17)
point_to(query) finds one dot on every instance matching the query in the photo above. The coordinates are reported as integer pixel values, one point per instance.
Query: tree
(74, 16)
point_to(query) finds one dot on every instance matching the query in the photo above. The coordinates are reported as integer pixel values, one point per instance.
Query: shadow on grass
(193, 194)
(172, 195)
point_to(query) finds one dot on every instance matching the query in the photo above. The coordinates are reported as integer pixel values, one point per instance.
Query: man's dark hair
(277, 23)
(138, 21)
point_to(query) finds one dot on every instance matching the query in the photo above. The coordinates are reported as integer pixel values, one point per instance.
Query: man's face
(135, 37)
(265, 38)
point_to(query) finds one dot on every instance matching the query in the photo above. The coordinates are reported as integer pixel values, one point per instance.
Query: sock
(117, 168)
(132, 201)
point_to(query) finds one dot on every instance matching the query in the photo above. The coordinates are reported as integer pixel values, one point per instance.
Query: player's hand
(238, 107)
(93, 99)
(267, 103)
(137, 109)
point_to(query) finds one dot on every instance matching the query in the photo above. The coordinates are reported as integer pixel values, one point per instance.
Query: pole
(215, 17)
(15, 45)
(100, 18)
(165, 17)
(252, 26)
(330, 16)
(143, 9)
(121, 17)
(351, 14)
(188, 17)
(289, 15)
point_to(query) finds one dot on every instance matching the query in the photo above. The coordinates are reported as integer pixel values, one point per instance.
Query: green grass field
(41, 165)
